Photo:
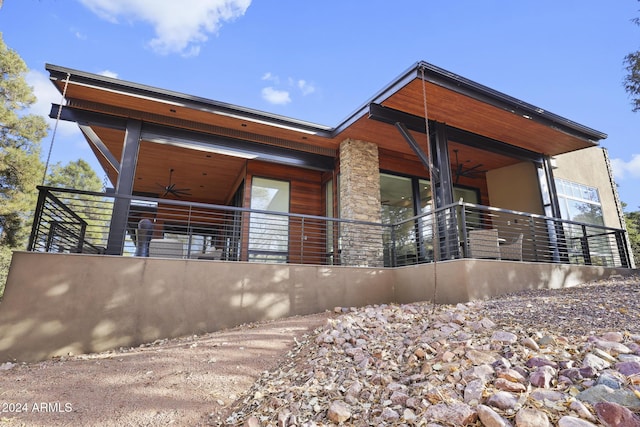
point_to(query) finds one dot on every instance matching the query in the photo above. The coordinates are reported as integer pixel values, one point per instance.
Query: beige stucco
(55, 304)
(588, 167)
(516, 188)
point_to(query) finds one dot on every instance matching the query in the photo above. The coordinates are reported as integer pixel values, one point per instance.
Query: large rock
(614, 415)
(602, 393)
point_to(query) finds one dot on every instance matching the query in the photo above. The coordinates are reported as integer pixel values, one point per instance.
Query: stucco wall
(588, 167)
(455, 281)
(516, 188)
(55, 304)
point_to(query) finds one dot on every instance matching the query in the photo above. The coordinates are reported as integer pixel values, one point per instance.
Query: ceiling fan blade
(170, 188)
(474, 169)
(178, 191)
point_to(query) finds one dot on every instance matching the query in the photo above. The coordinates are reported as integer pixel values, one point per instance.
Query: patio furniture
(166, 248)
(484, 243)
(143, 237)
(513, 250)
(211, 253)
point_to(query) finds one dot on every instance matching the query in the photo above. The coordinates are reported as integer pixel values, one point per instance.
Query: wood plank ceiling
(209, 175)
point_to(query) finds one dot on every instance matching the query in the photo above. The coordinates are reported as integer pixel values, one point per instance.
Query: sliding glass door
(402, 198)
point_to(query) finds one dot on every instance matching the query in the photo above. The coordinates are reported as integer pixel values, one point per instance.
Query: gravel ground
(534, 358)
(588, 309)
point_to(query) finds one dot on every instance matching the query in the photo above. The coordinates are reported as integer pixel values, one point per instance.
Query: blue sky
(320, 60)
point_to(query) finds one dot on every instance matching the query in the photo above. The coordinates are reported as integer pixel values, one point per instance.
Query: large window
(269, 233)
(579, 202)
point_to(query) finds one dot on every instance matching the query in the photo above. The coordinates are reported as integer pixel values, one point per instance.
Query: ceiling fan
(470, 172)
(171, 188)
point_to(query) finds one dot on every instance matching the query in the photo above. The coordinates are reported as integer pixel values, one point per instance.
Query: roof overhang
(442, 96)
(81, 84)
(489, 124)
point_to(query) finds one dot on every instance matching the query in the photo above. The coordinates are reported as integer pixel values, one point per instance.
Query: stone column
(361, 244)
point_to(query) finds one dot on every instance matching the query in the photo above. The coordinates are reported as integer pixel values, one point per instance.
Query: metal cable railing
(464, 230)
(80, 222)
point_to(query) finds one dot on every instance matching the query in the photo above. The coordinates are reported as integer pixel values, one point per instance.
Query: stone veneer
(360, 200)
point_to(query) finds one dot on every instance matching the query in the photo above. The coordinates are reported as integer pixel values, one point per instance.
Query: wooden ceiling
(209, 176)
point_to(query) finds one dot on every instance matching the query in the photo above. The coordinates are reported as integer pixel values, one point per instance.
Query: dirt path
(190, 381)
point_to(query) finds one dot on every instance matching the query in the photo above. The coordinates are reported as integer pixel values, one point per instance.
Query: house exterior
(436, 188)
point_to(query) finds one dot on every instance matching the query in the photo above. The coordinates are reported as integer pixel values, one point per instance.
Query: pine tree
(633, 231)
(632, 79)
(77, 175)
(20, 164)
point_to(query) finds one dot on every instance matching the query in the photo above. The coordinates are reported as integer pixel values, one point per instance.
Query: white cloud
(270, 78)
(622, 169)
(47, 94)
(69, 143)
(180, 26)
(79, 35)
(276, 96)
(305, 87)
(109, 73)
(273, 96)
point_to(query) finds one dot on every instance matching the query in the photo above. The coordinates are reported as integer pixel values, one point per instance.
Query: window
(331, 249)
(269, 233)
(579, 202)
(396, 200)
(468, 195)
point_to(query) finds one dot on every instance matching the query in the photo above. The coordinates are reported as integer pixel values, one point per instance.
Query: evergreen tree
(632, 86)
(20, 164)
(632, 220)
(632, 80)
(77, 175)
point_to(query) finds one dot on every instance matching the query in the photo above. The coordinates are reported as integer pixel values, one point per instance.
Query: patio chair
(166, 248)
(513, 250)
(210, 253)
(484, 243)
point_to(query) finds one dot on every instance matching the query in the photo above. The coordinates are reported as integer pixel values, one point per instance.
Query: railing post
(621, 241)
(83, 231)
(189, 233)
(564, 248)
(393, 254)
(51, 235)
(534, 240)
(465, 240)
(301, 239)
(37, 217)
(584, 243)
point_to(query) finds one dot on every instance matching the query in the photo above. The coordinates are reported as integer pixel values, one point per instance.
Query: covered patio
(454, 139)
